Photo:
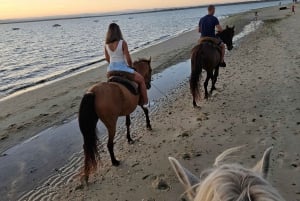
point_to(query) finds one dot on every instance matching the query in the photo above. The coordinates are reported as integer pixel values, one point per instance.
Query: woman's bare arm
(106, 55)
(127, 54)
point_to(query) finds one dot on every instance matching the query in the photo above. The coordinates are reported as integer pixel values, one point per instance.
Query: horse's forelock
(234, 181)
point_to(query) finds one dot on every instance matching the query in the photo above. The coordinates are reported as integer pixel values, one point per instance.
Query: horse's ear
(262, 166)
(233, 27)
(149, 60)
(220, 159)
(227, 27)
(185, 177)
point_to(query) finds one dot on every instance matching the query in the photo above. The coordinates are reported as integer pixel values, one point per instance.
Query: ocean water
(32, 53)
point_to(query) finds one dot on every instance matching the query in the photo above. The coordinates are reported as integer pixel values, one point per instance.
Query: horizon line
(116, 13)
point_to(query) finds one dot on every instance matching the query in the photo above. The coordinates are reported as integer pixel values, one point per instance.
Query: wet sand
(257, 104)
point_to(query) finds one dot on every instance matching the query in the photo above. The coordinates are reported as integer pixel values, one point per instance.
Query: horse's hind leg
(111, 127)
(214, 79)
(146, 111)
(128, 122)
(208, 76)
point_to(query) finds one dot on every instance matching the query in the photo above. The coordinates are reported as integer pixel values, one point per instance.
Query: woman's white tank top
(117, 55)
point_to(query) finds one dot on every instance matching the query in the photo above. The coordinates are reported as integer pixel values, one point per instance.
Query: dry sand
(256, 104)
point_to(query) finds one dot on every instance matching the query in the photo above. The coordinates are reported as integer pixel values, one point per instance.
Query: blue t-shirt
(207, 25)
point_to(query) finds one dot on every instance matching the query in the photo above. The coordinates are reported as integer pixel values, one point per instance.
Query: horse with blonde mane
(228, 182)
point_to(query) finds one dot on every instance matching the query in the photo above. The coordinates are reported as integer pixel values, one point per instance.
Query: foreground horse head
(228, 182)
(226, 36)
(107, 101)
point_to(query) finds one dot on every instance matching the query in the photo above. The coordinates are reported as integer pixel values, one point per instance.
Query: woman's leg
(143, 90)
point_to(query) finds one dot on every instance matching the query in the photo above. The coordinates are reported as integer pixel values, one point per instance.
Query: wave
(10, 89)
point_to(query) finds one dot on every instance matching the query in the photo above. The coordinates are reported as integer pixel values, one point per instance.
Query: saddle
(212, 41)
(125, 79)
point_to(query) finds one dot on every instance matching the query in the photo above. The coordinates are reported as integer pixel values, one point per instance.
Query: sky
(12, 9)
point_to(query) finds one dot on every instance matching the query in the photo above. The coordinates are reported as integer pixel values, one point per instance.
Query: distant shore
(66, 17)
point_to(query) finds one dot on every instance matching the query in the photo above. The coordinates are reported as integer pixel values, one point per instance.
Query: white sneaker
(146, 105)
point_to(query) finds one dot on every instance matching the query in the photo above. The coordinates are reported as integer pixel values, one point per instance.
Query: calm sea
(32, 53)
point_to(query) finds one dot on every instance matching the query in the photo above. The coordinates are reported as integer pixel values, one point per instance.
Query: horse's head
(228, 181)
(143, 67)
(226, 36)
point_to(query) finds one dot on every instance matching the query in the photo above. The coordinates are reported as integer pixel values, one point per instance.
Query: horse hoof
(84, 180)
(197, 107)
(194, 104)
(130, 142)
(149, 128)
(116, 163)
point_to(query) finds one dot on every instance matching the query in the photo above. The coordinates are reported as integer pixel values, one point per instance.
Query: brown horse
(207, 55)
(107, 101)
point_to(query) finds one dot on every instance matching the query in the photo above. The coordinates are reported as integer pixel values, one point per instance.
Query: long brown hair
(113, 33)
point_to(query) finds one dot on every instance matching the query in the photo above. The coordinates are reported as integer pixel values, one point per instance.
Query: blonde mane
(229, 182)
(234, 182)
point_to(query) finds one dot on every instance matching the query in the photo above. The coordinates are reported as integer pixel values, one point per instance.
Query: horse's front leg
(194, 102)
(128, 122)
(146, 111)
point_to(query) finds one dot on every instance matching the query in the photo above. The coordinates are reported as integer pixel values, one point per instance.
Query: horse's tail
(196, 69)
(87, 123)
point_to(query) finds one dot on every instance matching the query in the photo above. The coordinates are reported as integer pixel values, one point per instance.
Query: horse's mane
(228, 181)
(227, 29)
(140, 60)
(234, 182)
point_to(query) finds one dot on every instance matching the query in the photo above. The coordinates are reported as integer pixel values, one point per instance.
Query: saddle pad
(213, 41)
(130, 85)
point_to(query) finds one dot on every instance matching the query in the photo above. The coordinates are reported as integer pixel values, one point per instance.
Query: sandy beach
(256, 104)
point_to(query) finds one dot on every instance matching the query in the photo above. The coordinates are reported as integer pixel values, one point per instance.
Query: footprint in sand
(54, 106)
(160, 184)
(7, 115)
(43, 114)
(186, 156)
(3, 137)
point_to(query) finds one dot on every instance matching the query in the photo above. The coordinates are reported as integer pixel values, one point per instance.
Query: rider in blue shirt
(207, 25)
